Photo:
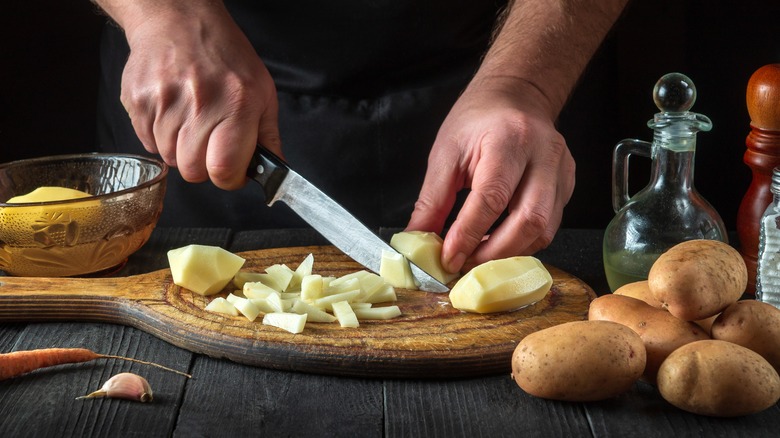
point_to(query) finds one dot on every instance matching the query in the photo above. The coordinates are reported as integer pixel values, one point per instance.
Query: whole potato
(754, 325)
(698, 278)
(660, 331)
(719, 379)
(639, 290)
(579, 361)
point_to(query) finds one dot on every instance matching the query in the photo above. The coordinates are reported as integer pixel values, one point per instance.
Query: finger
(437, 195)
(229, 151)
(535, 214)
(492, 189)
(268, 128)
(142, 114)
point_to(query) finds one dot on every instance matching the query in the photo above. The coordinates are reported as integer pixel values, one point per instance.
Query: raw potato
(501, 285)
(394, 268)
(719, 379)
(579, 361)
(754, 325)
(424, 250)
(698, 278)
(639, 290)
(203, 269)
(660, 331)
(48, 194)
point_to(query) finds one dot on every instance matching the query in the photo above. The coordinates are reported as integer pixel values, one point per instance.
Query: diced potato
(384, 295)
(424, 250)
(327, 302)
(394, 269)
(337, 287)
(301, 271)
(292, 322)
(247, 308)
(221, 305)
(315, 314)
(388, 312)
(355, 305)
(243, 277)
(258, 289)
(501, 285)
(263, 305)
(345, 315)
(232, 298)
(311, 287)
(371, 284)
(281, 274)
(203, 269)
(276, 303)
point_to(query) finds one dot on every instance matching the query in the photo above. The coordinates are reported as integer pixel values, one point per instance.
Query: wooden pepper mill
(762, 155)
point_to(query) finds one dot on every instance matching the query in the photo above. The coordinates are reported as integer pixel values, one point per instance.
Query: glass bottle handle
(623, 151)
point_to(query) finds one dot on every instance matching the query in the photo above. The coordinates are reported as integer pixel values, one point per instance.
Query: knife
(325, 215)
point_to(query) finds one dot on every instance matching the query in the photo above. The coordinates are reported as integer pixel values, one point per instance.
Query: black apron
(363, 87)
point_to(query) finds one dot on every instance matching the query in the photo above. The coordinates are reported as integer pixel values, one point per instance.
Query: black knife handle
(267, 169)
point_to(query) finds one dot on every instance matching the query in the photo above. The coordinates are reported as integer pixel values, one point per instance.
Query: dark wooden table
(228, 399)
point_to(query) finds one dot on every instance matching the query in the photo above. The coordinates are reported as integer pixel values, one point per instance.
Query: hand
(198, 94)
(499, 140)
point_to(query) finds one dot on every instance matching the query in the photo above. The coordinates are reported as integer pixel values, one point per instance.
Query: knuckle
(495, 197)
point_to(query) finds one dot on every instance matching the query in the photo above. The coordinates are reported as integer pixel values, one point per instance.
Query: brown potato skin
(660, 331)
(641, 291)
(697, 279)
(579, 361)
(718, 379)
(754, 325)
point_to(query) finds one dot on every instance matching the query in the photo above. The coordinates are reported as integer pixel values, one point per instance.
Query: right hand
(198, 94)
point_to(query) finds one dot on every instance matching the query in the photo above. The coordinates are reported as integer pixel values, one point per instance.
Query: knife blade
(344, 231)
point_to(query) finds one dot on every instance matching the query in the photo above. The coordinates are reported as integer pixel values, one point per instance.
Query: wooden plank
(643, 412)
(43, 403)
(489, 407)
(229, 399)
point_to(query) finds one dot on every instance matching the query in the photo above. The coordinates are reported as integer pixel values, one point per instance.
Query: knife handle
(268, 170)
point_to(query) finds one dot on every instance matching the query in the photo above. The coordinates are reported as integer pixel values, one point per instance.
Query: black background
(49, 71)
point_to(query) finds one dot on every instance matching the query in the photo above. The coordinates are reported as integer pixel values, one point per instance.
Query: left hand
(499, 140)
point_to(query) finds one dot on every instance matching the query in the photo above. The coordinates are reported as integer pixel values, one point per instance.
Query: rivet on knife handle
(269, 170)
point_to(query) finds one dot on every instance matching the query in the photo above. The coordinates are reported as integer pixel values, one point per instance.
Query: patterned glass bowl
(80, 236)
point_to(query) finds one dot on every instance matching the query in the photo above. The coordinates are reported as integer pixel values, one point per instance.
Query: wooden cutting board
(430, 339)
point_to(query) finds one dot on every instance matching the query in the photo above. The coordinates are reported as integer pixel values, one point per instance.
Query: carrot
(17, 363)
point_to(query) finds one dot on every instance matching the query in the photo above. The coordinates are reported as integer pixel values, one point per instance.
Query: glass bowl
(79, 236)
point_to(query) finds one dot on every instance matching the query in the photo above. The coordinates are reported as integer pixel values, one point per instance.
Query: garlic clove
(124, 385)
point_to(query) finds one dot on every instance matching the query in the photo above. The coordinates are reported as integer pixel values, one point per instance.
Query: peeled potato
(424, 250)
(203, 269)
(501, 285)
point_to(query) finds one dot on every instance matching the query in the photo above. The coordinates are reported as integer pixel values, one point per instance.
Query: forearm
(546, 44)
(131, 14)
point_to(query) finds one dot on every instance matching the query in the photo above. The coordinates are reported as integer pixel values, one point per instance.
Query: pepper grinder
(762, 155)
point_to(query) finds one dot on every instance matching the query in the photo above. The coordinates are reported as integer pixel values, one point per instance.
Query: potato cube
(221, 305)
(203, 269)
(292, 322)
(424, 250)
(344, 313)
(395, 270)
(388, 312)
